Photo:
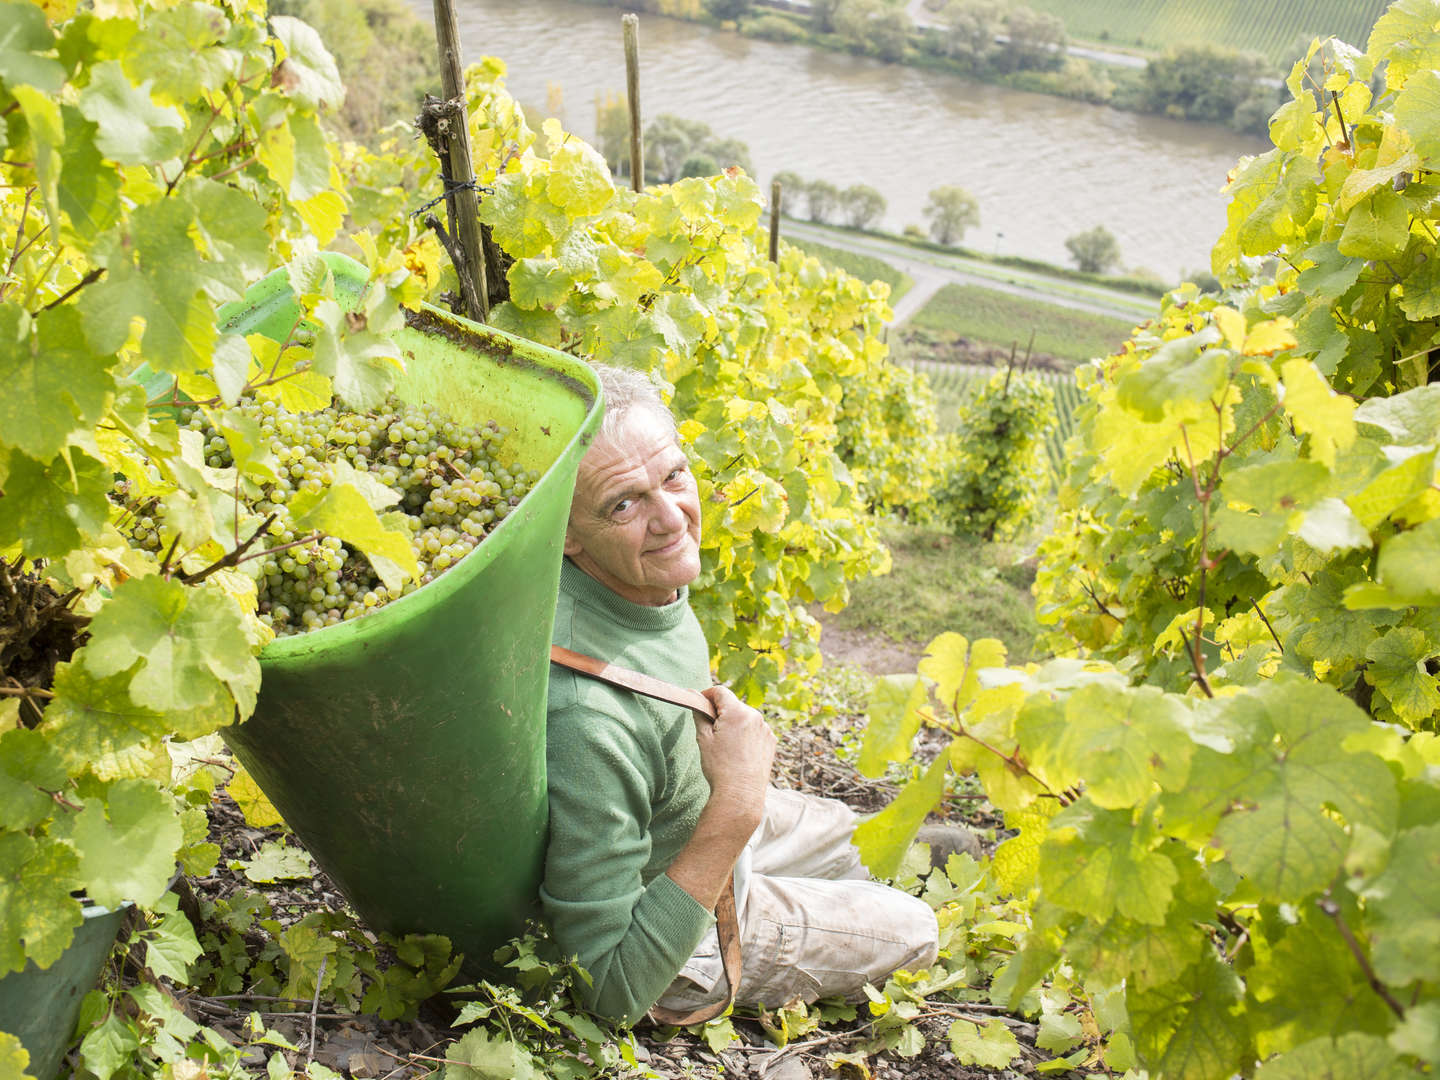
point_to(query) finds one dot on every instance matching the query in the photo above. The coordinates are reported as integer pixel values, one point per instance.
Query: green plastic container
(407, 748)
(40, 1007)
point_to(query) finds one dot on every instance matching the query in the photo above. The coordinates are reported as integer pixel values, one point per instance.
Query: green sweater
(625, 790)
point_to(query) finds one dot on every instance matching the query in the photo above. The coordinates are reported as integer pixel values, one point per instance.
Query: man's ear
(573, 546)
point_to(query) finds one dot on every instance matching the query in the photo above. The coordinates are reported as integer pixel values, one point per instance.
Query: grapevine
(1224, 785)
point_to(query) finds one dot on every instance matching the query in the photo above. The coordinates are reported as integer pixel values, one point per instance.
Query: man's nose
(668, 514)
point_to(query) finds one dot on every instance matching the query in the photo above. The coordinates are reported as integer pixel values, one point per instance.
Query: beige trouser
(811, 923)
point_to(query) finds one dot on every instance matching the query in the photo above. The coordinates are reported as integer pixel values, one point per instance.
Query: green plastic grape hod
(406, 749)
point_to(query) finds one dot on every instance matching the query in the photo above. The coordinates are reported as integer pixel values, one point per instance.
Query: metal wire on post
(457, 171)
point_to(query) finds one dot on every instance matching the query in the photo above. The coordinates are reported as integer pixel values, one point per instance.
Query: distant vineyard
(1272, 27)
(953, 383)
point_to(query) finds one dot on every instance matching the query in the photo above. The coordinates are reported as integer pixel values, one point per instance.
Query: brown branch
(25, 692)
(1090, 592)
(1331, 908)
(93, 276)
(231, 558)
(233, 168)
(1344, 131)
(165, 562)
(1197, 662)
(1012, 761)
(314, 1012)
(1266, 621)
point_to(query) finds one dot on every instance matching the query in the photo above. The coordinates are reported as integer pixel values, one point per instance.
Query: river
(1041, 167)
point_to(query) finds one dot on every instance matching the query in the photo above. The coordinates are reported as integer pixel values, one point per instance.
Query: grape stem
(235, 556)
(1012, 761)
(1328, 905)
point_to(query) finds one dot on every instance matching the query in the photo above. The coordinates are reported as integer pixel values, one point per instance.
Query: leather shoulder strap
(633, 681)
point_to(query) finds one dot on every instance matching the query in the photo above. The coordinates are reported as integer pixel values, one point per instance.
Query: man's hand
(736, 752)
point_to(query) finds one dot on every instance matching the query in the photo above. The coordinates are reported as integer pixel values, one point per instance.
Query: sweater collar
(586, 590)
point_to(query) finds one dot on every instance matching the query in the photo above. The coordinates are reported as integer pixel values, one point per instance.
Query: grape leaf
(1394, 487)
(1270, 801)
(127, 843)
(257, 808)
(342, 510)
(25, 41)
(360, 364)
(1404, 921)
(538, 283)
(954, 665)
(50, 508)
(14, 1058)
(1421, 299)
(1144, 955)
(1096, 862)
(891, 722)
(307, 71)
(89, 186)
(1397, 669)
(1407, 571)
(277, 862)
(190, 643)
(133, 130)
(1377, 228)
(1317, 411)
(170, 943)
(30, 768)
(1416, 108)
(54, 385)
(992, 1046)
(579, 179)
(177, 48)
(1402, 37)
(1192, 1029)
(1419, 1033)
(94, 724)
(884, 838)
(38, 916)
(1292, 958)
(1408, 419)
(1352, 1056)
(485, 1055)
(1183, 370)
(1124, 742)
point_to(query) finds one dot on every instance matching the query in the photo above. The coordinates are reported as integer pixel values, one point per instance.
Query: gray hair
(627, 389)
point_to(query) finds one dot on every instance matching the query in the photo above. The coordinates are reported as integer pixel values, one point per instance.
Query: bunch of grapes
(453, 485)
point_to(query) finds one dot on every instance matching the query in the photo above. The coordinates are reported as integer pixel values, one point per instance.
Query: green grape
(450, 477)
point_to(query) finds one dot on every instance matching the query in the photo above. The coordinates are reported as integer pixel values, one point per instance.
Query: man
(652, 813)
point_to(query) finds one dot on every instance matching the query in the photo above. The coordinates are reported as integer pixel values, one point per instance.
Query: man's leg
(806, 836)
(813, 925)
(810, 938)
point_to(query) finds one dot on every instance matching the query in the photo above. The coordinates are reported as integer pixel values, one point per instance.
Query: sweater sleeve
(631, 936)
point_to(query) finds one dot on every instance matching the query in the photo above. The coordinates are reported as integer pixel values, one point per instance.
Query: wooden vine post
(775, 196)
(631, 25)
(457, 172)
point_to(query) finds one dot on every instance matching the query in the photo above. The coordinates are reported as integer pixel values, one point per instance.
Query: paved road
(926, 19)
(931, 270)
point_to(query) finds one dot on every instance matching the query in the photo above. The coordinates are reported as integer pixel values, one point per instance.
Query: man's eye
(621, 506)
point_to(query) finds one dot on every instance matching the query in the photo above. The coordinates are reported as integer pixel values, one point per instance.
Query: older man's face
(635, 520)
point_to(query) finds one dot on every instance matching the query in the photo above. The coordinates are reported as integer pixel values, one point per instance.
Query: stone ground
(367, 1048)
